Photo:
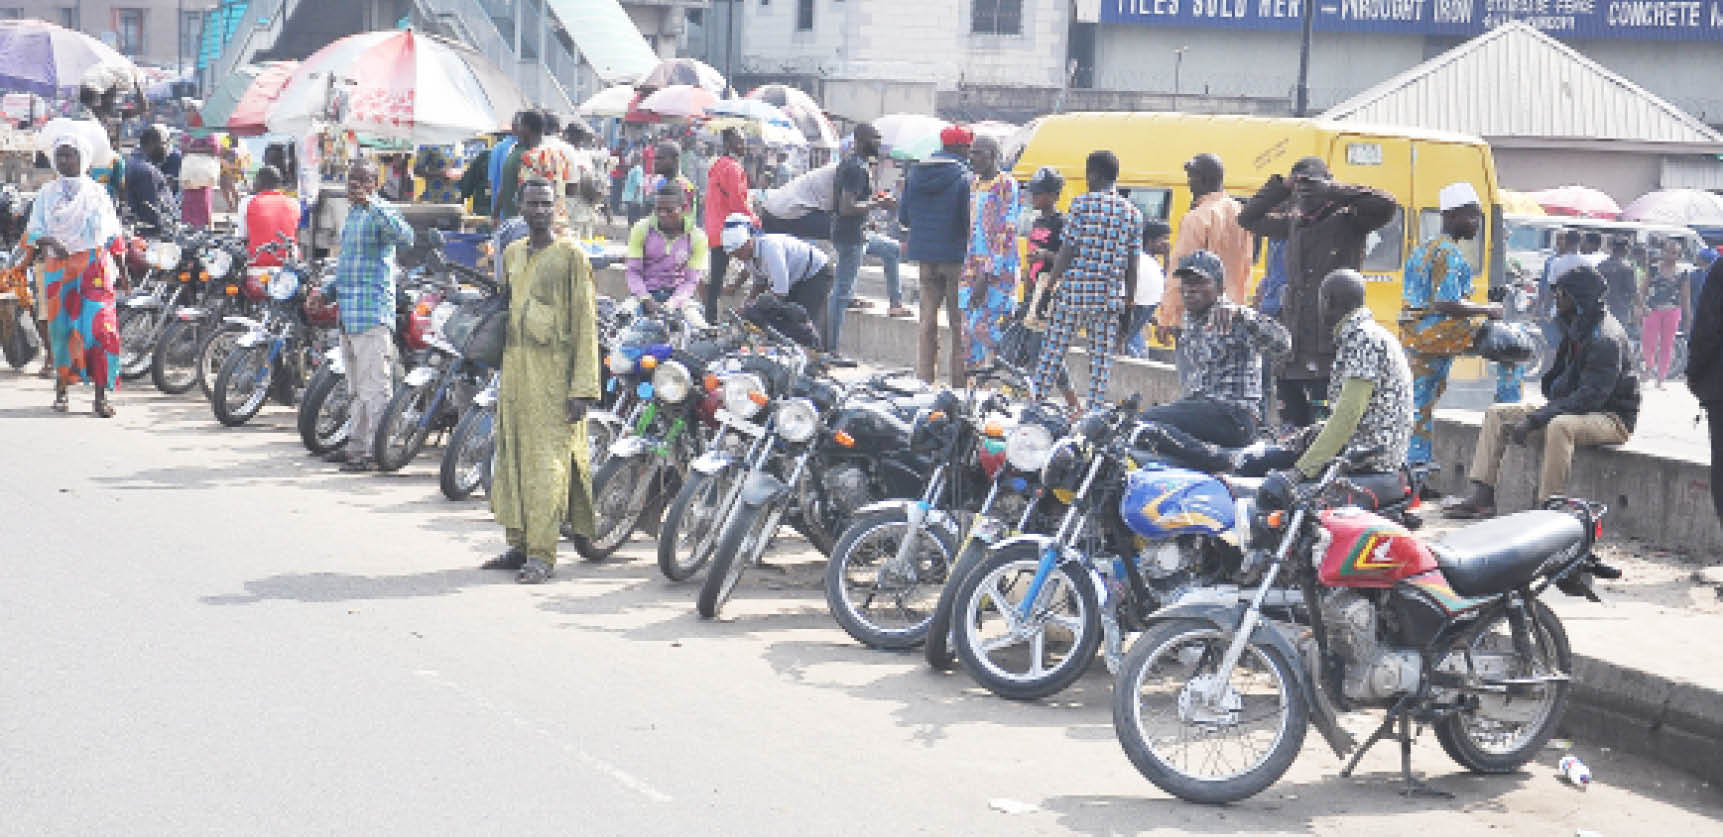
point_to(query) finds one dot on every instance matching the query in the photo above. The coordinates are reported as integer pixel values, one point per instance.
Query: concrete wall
(1623, 176)
(100, 19)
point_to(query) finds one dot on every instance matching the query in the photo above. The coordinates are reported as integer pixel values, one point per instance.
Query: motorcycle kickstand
(1400, 714)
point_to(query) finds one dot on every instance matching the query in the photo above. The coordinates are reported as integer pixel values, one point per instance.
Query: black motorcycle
(198, 336)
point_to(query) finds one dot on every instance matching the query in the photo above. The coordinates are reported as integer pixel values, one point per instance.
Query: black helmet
(1046, 180)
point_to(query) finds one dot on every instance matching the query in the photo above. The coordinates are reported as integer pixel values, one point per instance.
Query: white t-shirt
(1151, 281)
(815, 191)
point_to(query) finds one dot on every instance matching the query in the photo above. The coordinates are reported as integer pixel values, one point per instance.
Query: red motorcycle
(1352, 611)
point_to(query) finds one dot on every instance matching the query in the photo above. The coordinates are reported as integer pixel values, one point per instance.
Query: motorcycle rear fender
(1227, 618)
(628, 446)
(761, 488)
(935, 517)
(711, 462)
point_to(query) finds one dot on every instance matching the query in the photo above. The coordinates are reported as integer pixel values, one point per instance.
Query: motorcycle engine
(1373, 672)
(847, 489)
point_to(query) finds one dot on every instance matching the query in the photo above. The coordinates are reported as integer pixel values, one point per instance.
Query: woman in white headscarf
(73, 230)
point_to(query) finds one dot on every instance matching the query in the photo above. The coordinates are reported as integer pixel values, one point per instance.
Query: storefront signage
(1678, 20)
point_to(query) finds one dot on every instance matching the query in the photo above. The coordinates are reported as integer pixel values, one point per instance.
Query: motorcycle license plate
(420, 376)
(741, 424)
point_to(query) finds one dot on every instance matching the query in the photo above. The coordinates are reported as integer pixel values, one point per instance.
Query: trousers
(843, 289)
(1065, 320)
(1657, 339)
(1714, 423)
(939, 281)
(718, 259)
(1560, 437)
(368, 356)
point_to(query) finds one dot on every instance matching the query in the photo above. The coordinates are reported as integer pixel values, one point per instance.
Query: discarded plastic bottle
(1575, 770)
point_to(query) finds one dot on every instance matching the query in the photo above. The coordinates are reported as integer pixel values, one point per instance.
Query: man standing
(935, 209)
(988, 287)
(1326, 226)
(666, 168)
(1212, 225)
(1705, 371)
(1623, 284)
(1151, 287)
(788, 267)
(1095, 273)
(365, 291)
(147, 191)
(529, 135)
(549, 379)
(726, 195)
(666, 252)
(849, 238)
(1593, 394)
(1436, 309)
(265, 217)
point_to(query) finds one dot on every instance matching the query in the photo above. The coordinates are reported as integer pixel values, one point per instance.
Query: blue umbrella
(39, 57)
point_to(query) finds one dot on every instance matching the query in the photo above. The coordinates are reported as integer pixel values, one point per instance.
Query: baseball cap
(955, 135)
(1202, 263)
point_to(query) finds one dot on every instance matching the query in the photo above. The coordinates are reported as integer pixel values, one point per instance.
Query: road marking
(620, 776)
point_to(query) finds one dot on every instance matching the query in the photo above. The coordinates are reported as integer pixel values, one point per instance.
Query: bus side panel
(1385, 162)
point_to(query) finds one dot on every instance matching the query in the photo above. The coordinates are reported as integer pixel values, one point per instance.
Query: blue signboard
(1670, 20)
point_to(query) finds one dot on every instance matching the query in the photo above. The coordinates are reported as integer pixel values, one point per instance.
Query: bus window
(1430, 226)
(1525, 237)
(1153, 202)
(1382, 247)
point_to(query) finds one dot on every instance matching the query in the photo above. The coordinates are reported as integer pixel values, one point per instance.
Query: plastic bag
(1504, 342)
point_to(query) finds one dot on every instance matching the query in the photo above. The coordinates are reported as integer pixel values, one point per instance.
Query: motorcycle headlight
(1027, 447)
(162, 255)
(797, 420)
(671, 382)
(619, 364)
(283, 285)
(217, 262)
(744, 394)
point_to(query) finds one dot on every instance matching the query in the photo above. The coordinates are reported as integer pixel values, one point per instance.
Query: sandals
(102, 409)
(60, 405)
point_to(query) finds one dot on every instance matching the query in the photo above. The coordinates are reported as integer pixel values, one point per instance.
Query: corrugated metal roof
(607, 38)
(1515, 81)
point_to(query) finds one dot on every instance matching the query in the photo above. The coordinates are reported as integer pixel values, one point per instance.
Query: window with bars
(129, 29)
(804, 15)
(69, 17)
(996, 17)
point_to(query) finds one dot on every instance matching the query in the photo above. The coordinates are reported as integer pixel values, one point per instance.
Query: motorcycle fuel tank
(1165, 502)
(1369, 550)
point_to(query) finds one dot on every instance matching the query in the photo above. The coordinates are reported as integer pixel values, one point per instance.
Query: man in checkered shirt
(1095, 272)
(365, 289)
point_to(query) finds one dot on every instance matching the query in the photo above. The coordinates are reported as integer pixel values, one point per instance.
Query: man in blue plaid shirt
(365, 289)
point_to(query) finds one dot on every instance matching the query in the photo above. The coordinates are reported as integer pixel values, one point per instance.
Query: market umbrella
(679, 101)
(769, 133)
(910, 136)
(1578, 201)
(801, 108)
(1519, 203)
(398, 84)
(611, 101)
(677, 71)
(1012, 148)
(38, 57)
(1685, 207)
(242, 101)
(754, 109)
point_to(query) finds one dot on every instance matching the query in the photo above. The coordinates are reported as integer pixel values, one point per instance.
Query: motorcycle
(278, 352)
(466, 462)
(323, 420)
(176, 278)
(1353, 611)
(198, 337)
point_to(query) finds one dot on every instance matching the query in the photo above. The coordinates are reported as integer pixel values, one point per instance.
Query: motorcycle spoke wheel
(619, 494)
(878, 600)
(1501, 732)
(467, 455)
(691, 527)
(399, 436)
(212, 355)
(136, 341)
(239, 392)
(174, 366)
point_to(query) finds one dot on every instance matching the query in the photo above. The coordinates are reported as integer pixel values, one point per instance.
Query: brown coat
(1330, 237)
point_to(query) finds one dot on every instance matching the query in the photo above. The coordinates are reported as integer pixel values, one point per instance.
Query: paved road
(204, 630)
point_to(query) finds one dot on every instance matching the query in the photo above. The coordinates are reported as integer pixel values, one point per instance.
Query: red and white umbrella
(674, 71)
(679, 101)
(398, 84)
(1579, 202)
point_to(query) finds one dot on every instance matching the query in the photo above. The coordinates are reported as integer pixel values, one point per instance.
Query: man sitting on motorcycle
(667, 253)
(1370, 386)
(265, 218)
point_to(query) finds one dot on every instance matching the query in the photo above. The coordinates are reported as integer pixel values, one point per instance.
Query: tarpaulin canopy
(606, 38)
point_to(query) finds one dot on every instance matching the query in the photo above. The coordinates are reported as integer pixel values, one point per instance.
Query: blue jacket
(935, 208)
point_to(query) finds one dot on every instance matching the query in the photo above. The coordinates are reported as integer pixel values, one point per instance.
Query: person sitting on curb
(1592, 389)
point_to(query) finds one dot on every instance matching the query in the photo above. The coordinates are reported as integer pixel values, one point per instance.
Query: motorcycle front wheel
(213, 352)
(173, 364)
(137, 330)
(691, 526)
(745, 536)
(878, 602)
(1195, 749)
(242, 386)
(325, 419)
(400, 433)
(619, 490)
(941, 646)
(1504, 731)
(1026, 657)
(467, 457)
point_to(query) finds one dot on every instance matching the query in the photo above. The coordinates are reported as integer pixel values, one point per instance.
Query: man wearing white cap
(1435, 324)
(790, 268)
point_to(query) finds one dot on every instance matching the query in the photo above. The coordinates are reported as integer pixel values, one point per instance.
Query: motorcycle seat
(1498, 555)
(1373, 491)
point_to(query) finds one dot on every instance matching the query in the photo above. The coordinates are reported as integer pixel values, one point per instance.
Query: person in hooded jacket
(1705, 369)
(935, 210)
(1592, 390)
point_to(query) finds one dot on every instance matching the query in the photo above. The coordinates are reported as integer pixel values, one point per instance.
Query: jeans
(1136, 317)
(811, 294)
(1564, 433)
(1207, 419)
(890, 254)
(939, 282)
(843, 289)
(718, 259)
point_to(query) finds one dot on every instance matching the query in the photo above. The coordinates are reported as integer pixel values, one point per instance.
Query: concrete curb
(1677, 723)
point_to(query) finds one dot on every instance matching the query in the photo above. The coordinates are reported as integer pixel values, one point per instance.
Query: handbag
(1504, 342)
(480, 329)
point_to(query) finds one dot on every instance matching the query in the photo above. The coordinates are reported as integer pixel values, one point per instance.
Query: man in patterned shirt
(365, 290)
(1095, 272)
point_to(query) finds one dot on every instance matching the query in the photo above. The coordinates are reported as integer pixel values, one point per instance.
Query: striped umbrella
(674, 71)
(38, 57)
(400, 85)
(242, 101)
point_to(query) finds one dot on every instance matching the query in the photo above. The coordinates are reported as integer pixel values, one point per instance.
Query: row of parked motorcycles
(999, 535)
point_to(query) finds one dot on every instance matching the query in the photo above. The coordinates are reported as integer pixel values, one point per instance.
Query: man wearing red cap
(935, 209)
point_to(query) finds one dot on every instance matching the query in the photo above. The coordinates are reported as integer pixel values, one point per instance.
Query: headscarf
(74, 210)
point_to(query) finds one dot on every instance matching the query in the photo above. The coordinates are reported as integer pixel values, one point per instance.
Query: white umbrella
(754, 109)
(400, 85)
(39, 57)
(611, 101)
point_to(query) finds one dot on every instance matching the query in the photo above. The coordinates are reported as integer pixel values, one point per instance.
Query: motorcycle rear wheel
(173, 364)
(745, 536)
(400, 435)
(239, 394)
(619, 490)
(861, 572)
(1460, 734)
(137, 330)
(987, 605)
(213, 352)
(325, 419)
(941, 646)
(467, 456)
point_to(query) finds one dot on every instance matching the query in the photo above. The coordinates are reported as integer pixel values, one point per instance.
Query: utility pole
(729, 42)
(1301, 100)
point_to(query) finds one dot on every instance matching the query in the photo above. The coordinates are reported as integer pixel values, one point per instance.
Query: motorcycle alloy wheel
(325, 419)
(400, 435)
(619, 493)
(1025, 658)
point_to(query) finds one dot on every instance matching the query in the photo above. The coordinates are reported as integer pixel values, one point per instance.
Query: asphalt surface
(204, 630)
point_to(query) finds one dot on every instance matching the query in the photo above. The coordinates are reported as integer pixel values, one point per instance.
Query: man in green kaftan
(549, 378)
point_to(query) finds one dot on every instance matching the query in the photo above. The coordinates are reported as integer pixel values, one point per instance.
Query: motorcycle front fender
(1227, 618)
(711, 462)
(628, 446)
(150, 301)
(761, 488)
(936, 518)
